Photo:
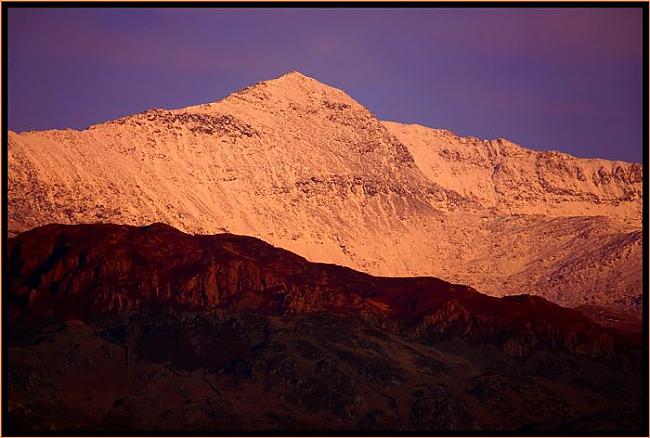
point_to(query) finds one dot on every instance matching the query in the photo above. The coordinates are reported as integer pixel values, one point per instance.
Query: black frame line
(7, 5)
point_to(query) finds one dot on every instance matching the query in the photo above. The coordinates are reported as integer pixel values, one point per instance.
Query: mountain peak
(306, 167)
(292, 88)
(294, 75)
(295, 78)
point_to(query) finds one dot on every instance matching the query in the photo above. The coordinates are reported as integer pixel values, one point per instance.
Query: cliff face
(514, 180)
(303, 166)
(85, 271)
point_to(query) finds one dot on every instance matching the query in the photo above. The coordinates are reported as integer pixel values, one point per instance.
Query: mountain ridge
(304, 166)
(86, 271)
(517, 173)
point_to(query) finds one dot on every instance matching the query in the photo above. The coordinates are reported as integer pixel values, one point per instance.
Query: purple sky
(562, 79)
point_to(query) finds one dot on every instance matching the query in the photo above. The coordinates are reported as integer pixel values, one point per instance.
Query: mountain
(501, 175)
(83, 271)
(303, 166)
(226, 332)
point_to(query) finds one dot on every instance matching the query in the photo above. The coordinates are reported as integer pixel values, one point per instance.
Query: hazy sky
(562, 79)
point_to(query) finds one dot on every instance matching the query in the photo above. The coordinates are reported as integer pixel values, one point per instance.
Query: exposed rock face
(513, 180)
(84, 271)
(305, 167)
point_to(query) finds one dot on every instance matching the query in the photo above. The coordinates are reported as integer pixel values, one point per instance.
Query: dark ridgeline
(253, 337)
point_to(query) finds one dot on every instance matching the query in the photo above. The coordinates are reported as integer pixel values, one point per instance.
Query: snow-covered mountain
(303, 166)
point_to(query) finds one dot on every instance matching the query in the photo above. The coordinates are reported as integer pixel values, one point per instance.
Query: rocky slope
(85, 271)
(305, 167)
(221, 372)
(504, 176)
(224, 332)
